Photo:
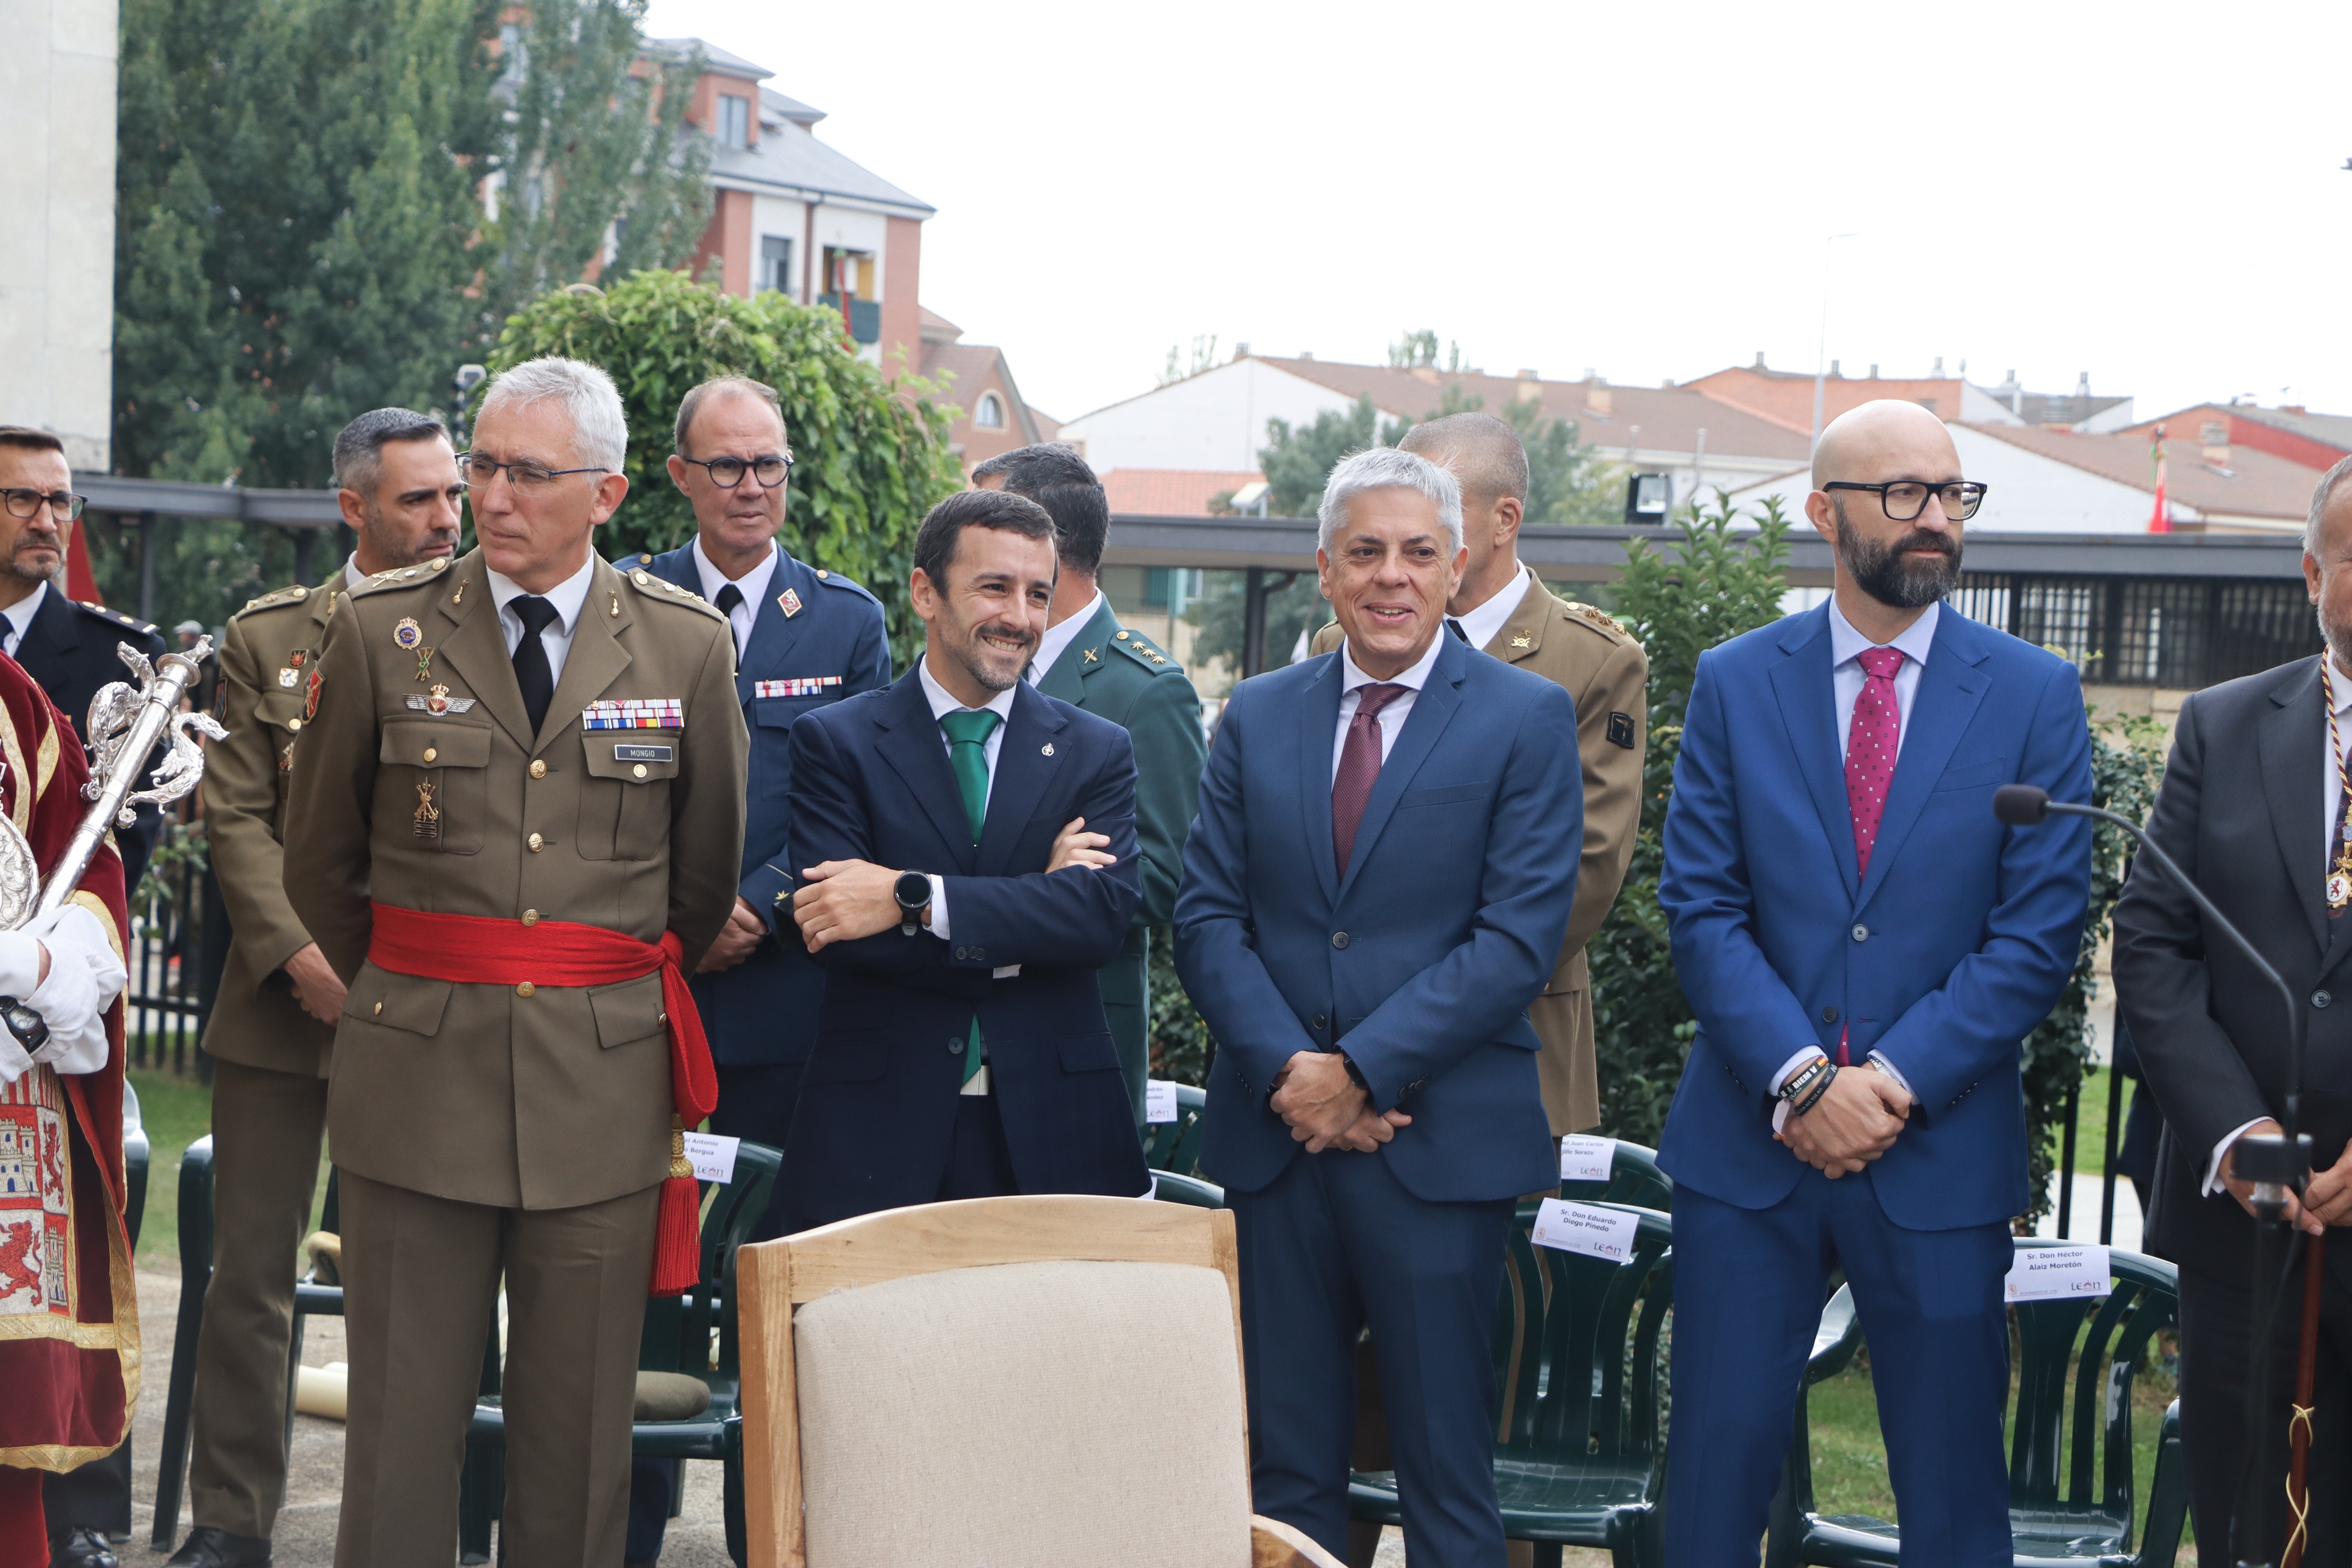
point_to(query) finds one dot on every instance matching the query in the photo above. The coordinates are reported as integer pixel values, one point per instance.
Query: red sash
(480, 950)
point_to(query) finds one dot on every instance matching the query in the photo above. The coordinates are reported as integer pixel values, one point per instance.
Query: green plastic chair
(1176, 1145)
(1172, 1188)
(677, 1338)
(2090, 1519)
(1580, 1461)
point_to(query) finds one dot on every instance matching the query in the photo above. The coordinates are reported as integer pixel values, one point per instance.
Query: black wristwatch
(913, 891)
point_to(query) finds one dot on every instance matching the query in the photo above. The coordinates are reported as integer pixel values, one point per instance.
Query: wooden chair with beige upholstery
(1002, 1383)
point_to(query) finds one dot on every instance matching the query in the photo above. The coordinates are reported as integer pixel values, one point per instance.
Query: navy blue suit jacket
(762, 1012)
(1956, 946)
(1419, 963)
(877, 1106)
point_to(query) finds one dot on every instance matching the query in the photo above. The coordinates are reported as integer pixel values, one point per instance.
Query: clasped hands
(1327, 1109)
(2326, 1196)
(1856, 1120)
(843, 900)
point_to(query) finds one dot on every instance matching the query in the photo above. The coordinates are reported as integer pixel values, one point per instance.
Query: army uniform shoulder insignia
(293, 594)
(399, 577)
(846, 585)
(1594, 616)
(663, 590)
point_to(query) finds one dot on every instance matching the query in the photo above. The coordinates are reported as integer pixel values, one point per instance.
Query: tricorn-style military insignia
(406, 632)
(1620, 730)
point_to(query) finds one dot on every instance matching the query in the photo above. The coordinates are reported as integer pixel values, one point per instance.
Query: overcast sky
(2153, 192)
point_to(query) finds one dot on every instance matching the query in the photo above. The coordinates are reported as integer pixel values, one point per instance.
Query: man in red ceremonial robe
(68, 1316)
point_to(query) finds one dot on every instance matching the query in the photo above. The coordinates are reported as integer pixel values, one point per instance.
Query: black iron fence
(171, 983)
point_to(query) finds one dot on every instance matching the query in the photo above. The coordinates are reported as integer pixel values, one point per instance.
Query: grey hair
(1388, 469)
(600, 429)
(359, 447)
(2319, 505)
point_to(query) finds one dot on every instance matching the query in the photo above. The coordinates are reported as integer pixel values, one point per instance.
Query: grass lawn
(177, 1111)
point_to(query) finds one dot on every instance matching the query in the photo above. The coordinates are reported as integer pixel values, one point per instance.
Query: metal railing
(167, 998)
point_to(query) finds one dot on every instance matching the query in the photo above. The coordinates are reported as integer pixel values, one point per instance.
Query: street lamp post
(1822, 351)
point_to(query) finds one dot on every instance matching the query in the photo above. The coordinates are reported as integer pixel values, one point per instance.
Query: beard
(2337, 635)
(1883, 571)
(995, 669)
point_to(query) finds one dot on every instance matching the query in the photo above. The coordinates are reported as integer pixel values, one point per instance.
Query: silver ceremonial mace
(125, 723)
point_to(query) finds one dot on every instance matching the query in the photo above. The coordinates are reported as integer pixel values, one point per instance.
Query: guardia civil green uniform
(1116, 674)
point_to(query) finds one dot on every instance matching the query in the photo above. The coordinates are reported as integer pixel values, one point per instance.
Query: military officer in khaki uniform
(1502, 609)
(507, 760)
(273, 1025)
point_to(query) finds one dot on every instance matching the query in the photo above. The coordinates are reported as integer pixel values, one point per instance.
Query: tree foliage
(1296, 459)
(1716, 582)
(1218, 615)
(871, 454)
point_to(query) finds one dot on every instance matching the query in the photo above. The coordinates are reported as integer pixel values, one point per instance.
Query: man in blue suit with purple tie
(1376, 887)
(1864, 947)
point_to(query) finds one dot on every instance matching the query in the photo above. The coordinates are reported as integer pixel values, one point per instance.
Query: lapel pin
(1523, 640)
(407, 633)
(289, 679)
(1090, 656)
(617, 602)
(459, 597)
(1049, 748)
(790, 601)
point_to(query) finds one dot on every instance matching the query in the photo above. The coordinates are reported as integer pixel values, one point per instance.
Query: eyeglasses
(28, 503)
(727, 472)
(1905, 499)
(478, 472)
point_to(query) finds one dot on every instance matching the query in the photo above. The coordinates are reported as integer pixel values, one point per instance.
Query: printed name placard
(1580, 1227)
(1158, 1100)
(713, 1156)
(2046, 1273)
(1584, 1158)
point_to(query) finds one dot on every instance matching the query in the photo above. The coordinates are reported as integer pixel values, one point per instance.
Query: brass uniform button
(525, 989)
(379, 1007)
(431, 753)
(536, 843)
(537, 768)
(640, 770)
(531, 916)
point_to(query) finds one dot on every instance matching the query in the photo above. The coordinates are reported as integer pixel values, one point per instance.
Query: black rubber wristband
(1819, 1090)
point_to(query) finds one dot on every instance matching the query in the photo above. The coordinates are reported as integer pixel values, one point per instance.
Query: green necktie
(967, 731)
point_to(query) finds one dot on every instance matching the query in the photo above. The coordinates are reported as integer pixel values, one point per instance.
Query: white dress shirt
(1484, 624)
(567, 596)
(353, 576)
(2331, 791)
(1390, 719)
(944, 702)
(1846, 677)
(1060, 635)
(752, 585)
(19, 617)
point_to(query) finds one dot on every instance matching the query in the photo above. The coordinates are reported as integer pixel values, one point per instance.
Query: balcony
(865, 316)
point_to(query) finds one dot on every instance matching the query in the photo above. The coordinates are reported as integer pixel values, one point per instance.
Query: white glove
(85, 977)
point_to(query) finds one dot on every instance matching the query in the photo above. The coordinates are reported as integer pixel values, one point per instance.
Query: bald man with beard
(1865, 947)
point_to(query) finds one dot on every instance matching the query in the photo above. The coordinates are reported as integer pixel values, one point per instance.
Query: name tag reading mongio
(645, 753)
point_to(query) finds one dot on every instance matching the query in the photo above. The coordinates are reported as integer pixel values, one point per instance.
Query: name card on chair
(2047, 1273)
(1608, 1233)
(1584, 1158)
(1158, 1099)
(713, 1156)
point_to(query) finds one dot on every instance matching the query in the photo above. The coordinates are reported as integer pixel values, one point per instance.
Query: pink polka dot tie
(1871, 743)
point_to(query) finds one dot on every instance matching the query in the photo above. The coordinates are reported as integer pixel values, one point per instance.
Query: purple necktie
(1870, 747)
(1359, 766)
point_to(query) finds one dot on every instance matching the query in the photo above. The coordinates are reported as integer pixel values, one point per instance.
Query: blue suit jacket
(1419, 963)
(762, 1012)
(878, 1104)
(1955, 946)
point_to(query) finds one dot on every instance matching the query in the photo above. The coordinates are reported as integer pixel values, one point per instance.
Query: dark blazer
(2241, 809)
(877, 1106)
(1420, 963)
(1957, 944)
(762, 1012)
(70, 648)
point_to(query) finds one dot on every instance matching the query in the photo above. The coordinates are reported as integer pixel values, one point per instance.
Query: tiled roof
(1169, 493)
(936, 328)
(2256, 484)
(2333, 430)
(792, 158)
(1670, 418)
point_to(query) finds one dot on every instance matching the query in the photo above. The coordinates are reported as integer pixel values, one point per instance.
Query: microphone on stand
(2276, 1165)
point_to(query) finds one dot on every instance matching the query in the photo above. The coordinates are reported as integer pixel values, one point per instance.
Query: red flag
(2160, 522)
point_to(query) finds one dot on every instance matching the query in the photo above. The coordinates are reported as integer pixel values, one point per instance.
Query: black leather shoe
(208, 1548)
(85, 1549)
